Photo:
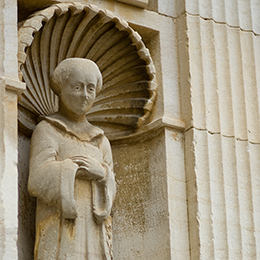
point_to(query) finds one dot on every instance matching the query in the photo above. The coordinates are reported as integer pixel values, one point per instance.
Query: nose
(85, 92)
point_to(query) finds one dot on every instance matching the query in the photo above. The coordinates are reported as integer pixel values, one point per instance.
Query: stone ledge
(165, 122)
(14, 85)
(147, 131)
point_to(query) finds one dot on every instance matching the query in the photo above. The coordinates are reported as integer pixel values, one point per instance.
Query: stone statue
(71, 171)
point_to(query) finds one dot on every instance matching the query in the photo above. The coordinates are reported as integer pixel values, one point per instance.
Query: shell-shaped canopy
(75, 30)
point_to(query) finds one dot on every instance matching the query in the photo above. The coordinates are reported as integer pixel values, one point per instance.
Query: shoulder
(44, 137)
(43, 124)
(105, 144)
(106, 148)
(106, 151)
(44, 130)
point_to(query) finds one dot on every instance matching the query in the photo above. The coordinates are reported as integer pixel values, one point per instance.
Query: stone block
(138, 3)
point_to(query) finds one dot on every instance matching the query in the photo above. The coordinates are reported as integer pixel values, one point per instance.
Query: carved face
(79, 92)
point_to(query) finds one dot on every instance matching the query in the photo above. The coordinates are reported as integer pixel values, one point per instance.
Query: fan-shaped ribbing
(76, 30)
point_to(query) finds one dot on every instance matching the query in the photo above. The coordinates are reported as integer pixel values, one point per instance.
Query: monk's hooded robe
(73, 215)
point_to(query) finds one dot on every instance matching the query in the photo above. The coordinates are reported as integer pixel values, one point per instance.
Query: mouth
(85, 103)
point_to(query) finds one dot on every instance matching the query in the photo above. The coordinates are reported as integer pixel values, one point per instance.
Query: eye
(77, 87)
(91, 88)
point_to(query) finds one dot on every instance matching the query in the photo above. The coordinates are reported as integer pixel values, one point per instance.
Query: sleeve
(108, 163)
(50, 180)
(102, 207)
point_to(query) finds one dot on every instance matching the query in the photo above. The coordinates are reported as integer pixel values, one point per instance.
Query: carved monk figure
(71, 171)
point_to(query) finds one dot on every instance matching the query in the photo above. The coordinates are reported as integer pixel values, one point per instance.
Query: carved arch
(77, 30)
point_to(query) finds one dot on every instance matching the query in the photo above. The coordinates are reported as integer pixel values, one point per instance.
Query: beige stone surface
(236, 13)
(8, 184)
(9, 89)
(172, 8)
(176, 193)
(9, 173)
(225, 100)
(148, 190)
(222, 145)
(141, 229)
(9, 20)
(138, 3)
(206, 55)
(222, 195)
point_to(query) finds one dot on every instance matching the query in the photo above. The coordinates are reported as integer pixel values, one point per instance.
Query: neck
(69, 115)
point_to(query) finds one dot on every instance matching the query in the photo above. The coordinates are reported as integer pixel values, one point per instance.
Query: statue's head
(76, 81)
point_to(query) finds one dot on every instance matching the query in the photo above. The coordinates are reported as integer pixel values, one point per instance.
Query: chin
(82, 112)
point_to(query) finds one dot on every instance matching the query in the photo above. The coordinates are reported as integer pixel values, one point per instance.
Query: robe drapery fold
(72, 213)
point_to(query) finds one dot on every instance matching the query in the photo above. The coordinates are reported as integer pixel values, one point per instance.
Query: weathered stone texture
(151, 204)
(222, 135)
(10, 87)
(138, 3)
(188, 181)
(242, 14)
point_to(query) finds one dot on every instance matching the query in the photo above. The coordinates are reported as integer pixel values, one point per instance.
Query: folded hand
(89, 168)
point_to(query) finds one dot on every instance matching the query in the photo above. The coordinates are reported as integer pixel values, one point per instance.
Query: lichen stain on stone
(176, 136)
(134, 186)
(70, 224)
(138, 200)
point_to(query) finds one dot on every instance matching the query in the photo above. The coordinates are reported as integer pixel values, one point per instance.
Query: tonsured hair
(63, 71)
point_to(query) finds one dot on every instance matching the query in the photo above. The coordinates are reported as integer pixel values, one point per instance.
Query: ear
(99, 85)
(55, 83)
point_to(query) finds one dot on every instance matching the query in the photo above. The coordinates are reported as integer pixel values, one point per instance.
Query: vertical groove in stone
(217, 197)
(250, 86)
(223, 80)
(254, 154)
(209, 76)
(179, 7)
(244, 13)
(192, 6)
(255, 12)
(245, 200)
(184, 70)
(218, 10)
(231, 11)
(204, 214)
(256, 47)
(236, 76)
(231, 198)
(225, 96)
(205, 8)
(196, 81)
(191, 190)
(192, 199)
(236, 13)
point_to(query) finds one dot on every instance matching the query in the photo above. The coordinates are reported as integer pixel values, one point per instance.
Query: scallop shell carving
(75, 30)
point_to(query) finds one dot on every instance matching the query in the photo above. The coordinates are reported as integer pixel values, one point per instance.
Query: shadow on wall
(27, 204)
(26, 8)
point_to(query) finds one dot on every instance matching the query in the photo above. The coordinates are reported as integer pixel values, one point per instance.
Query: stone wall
(10, 87)
(188, 181)
(222, 128)
(148, 164)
